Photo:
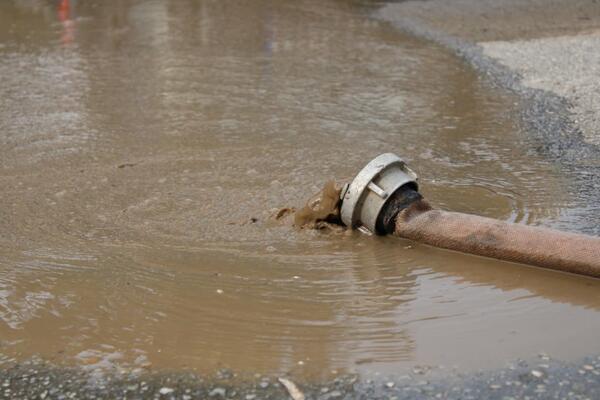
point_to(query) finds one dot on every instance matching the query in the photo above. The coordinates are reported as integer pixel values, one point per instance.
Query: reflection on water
(139, 138)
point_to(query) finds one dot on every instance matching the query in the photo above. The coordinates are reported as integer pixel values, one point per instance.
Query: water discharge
(144, 145)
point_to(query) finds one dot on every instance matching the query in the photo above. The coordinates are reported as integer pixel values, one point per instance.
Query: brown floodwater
(144, 145)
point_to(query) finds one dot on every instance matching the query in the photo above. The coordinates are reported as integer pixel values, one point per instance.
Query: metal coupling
(365, 197)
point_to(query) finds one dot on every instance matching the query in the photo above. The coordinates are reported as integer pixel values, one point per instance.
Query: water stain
(230, 110)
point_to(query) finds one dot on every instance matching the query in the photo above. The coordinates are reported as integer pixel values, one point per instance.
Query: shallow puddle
(144, 144)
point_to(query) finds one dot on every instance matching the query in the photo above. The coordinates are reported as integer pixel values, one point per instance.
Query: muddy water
(143, 145)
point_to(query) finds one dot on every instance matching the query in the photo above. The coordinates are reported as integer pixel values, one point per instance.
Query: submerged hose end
(378, 193)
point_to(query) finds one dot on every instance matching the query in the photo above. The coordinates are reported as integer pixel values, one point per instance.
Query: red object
(64, 10)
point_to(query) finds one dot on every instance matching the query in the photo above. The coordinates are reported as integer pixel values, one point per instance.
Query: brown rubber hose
(562, 251)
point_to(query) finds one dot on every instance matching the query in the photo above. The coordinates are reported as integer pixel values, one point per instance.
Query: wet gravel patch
(566, 65)
(543, 378)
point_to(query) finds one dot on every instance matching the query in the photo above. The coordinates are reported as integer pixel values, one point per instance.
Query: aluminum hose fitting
(365, 199)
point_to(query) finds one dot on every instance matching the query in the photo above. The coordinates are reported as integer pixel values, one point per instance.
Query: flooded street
(144, 146)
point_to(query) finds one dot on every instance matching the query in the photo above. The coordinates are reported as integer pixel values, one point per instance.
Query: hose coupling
(364, 200)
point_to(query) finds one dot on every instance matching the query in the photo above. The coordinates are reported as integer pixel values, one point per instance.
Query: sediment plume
(321, 208)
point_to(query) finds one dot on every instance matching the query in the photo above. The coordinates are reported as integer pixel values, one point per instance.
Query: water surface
(139, 139)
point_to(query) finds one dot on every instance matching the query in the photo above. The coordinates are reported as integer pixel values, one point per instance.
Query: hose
(542, 247)
(384, 199)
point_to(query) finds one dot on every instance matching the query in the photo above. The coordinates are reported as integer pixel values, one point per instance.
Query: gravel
(541, 378)
(568, 66)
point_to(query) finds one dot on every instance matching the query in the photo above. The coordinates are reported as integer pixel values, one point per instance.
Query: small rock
(263, 384)
(166, 390)
(390, 385)
(224, 373)
(588, 367)
(418, 370)
(536, 373)
(250, 396)
(495, 387)
(219, 291)
(335, 394)
(217, 392)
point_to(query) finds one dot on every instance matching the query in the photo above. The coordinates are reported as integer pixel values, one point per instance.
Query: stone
(166, 390)
(217, 392)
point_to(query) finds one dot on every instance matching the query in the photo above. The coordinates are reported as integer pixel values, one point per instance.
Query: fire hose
(384, 199)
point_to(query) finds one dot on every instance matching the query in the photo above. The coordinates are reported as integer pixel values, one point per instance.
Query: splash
(323, 208)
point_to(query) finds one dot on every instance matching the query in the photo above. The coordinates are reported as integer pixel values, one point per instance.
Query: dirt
(323, 207)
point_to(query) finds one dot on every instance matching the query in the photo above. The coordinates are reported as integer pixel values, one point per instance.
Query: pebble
(250, 396)
(588, 367)
(390, 385)
(335, 393)
(217, 392)
(219, 291)
(166, 390)
(536, 373)
(263, 384)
